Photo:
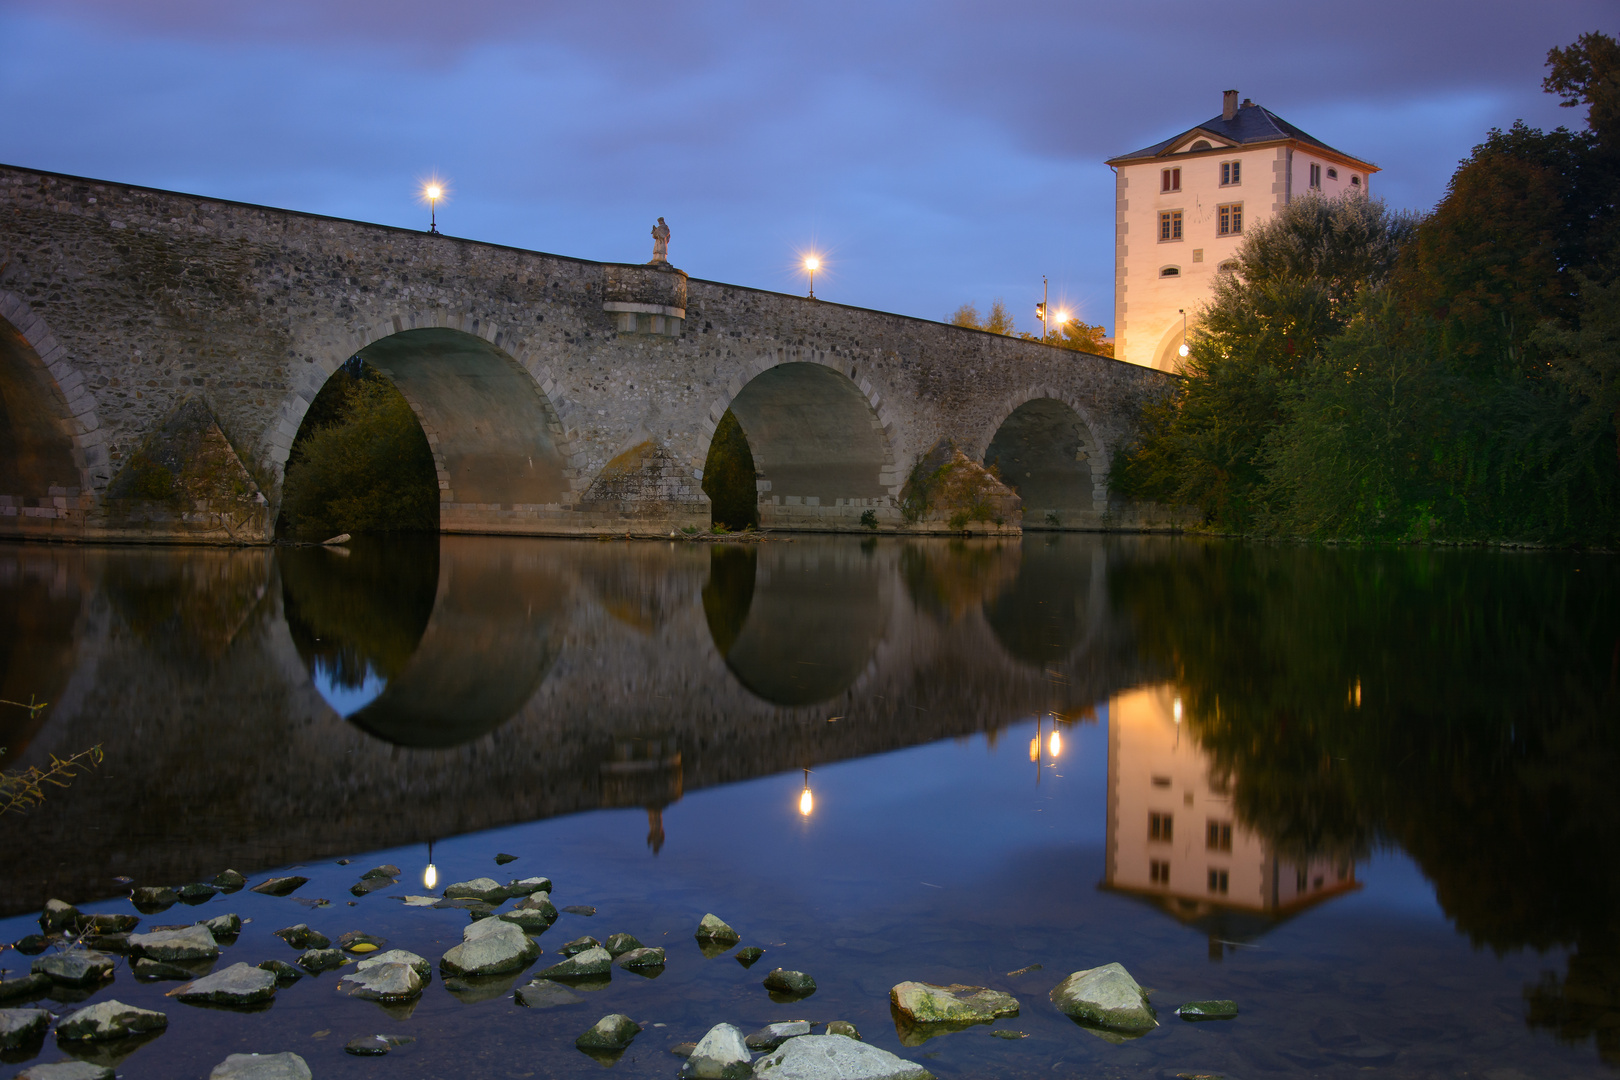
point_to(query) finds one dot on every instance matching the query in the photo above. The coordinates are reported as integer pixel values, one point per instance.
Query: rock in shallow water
(619, 944)
(746, 957)
(76, 967)
(284, 972)
(641, 959)
(376, 1045)
(280, 886)
(66, 1070)
(223, 926)
(590, 962)
(502, 858)
(302, 937)
(316, 961)
(771, 1036)
(579, 945)
(713, 928)
(110, 1020)
(926, 1003)
(192, 943)
(58, 915)
(844, 1028)
(24, 986)
(196, 893)
(483, 888)
(529, 886)
(722, 1054)
(1106, 997)
(490, 947)
(546, 994)
(1208, 1010)
(393, 981)
(161, 969)
(153, 898)
(285, 1066)
(399, 956)
(229, 880)
(834, 1057)
(239, 984)
(20, 1027)
(612, 1032)
(790, 983)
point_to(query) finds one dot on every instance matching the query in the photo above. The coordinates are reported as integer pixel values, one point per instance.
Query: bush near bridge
(360, 464)
(1364, 376)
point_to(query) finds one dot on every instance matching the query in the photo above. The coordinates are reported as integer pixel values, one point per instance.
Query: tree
(999, 321)
(1081, 336)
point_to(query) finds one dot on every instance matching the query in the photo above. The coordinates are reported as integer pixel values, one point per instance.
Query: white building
(1181, 207)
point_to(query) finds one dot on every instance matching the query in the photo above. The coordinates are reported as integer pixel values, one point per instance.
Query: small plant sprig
(24, 789)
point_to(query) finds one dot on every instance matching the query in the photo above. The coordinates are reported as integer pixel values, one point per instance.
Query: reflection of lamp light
(1054, 745)
(1035, 748)
(807, 801)
(430, 876)
(1176, 710)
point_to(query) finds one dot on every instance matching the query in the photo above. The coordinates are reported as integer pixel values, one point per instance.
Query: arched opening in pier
(485, 435)
(1045, 452)
(818, 448)
(37, 463)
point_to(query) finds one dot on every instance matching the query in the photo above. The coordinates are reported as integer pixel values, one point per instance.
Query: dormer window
(1170, 180)
(1170, 271)
(1231, 173)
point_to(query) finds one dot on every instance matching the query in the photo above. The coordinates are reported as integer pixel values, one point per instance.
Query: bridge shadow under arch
(1045, 451)
(37, 459)
(424, 641)
(1056, 604)
(819, 450)
(795, 627)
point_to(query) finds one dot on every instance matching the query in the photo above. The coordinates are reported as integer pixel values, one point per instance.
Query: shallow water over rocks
(1368, 796)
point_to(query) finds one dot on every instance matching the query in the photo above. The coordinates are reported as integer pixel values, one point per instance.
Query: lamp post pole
(812, 264)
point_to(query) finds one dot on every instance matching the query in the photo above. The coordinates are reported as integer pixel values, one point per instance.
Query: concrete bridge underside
(159, 351)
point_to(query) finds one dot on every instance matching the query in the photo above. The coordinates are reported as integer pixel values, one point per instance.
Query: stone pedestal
(648, 299)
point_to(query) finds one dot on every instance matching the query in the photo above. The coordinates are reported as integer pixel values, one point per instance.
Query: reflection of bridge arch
(822, 449)
(1045, 448)
(429, 663)
(497, 439)
(1055, 607)
(792, 632)
(50, 437)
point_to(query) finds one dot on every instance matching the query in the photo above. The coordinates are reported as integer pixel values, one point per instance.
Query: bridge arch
(51, 449)
(1046, 447)
(822, 445)
(498, 442)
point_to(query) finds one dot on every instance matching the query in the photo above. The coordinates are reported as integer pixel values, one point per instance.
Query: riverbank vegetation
(1363, 374)
(360, 463)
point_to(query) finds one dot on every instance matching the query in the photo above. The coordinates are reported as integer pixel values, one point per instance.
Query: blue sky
(935, 152)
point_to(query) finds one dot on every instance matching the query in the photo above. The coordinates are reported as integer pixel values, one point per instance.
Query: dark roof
(1252, 124)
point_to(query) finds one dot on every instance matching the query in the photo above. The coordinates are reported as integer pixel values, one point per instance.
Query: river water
(1373, 797)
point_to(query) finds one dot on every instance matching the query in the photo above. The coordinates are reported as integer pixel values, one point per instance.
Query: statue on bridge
(660, 235)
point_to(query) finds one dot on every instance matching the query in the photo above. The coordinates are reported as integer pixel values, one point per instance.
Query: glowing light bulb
(1184, 352)
(433, 191)
(807, 803)
(812, 263)
(430, 876)
(1054, 745)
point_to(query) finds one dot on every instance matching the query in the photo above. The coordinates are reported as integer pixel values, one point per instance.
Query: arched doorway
(38, 467)
(1046, 453)
(819, 450)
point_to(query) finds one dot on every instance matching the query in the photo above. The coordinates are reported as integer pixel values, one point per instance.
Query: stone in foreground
(579, 945)
(316, 961)
(790, 983)
(582, 965)
(279, 886)
(926, 1003)
(490, 947)
(641, 959)
(612, 1032)
(261, 1067)
(389, 982)
(546, 994)
(58, 914)
(1208, 1010)
(284, 972)
(771, 1036)
(399, 956)
(66, 1070)
(619, 944)
(302, 937)
(239, 984)
(528, 886)
(713, 928)
(722, 1054)
(24, 986)
(834, 1057)
(192, 943)
(110, 1020)
(1106, 997)
(76, 967)
(19, 1027)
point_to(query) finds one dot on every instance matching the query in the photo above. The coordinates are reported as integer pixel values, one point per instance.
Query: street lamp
(433, 191)
(1183, 350)
(811, 264)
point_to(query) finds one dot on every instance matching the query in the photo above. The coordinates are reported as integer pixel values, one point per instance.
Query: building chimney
(1229, 105)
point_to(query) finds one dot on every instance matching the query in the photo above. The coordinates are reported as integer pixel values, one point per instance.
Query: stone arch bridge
(142, 327)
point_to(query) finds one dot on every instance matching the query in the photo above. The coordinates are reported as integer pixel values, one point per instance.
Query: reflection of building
(643, 771)
(1173, 840)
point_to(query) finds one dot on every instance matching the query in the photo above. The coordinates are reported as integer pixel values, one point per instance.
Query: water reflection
(1175, 841)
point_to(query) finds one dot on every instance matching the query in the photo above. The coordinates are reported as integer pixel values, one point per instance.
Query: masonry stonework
(560, 396)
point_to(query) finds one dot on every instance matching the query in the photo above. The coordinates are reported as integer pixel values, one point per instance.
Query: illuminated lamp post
(1183, 351)
(811, 265)
(433, 192)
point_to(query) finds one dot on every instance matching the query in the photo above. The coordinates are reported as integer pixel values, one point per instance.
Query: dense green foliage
(1076, 334)
(1362, 375)
(729, 479)
(361, 463)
